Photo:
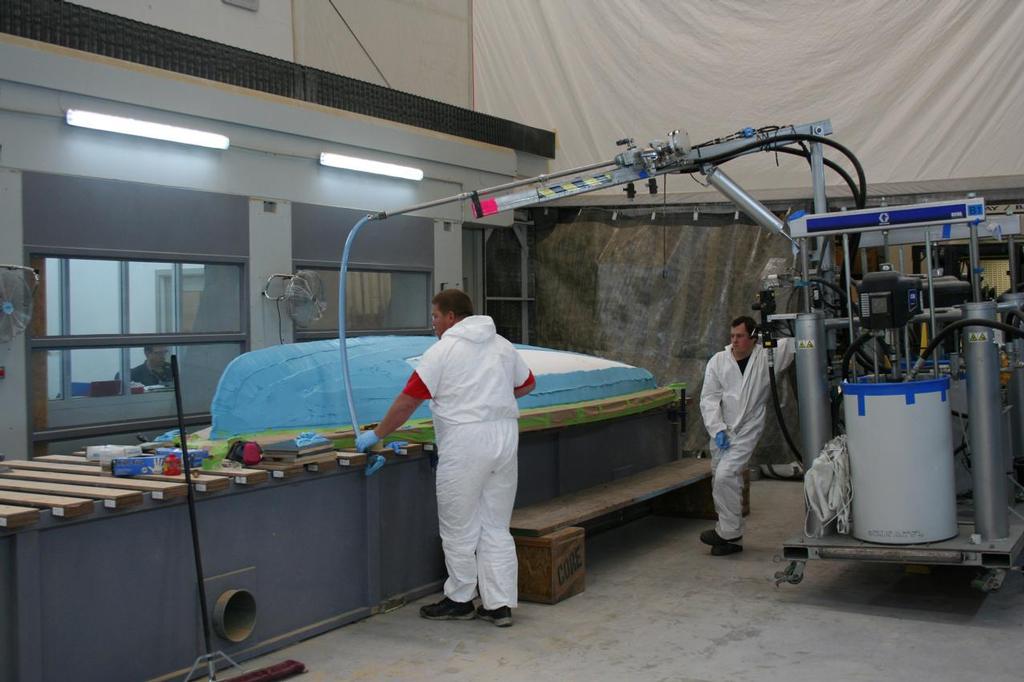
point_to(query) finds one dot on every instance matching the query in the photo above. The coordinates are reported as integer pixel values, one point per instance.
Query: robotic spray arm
(671, 155)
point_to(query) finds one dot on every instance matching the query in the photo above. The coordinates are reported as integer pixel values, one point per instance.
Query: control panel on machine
(888, 299)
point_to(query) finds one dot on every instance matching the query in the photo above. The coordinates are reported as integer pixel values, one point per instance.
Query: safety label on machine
(573, 186)
(977, 337)
(805, 344)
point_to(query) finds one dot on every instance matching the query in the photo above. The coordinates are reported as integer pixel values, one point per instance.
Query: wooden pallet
(577, 508)
(12, 516)
(112, 498)
(89, 475)
(59, 505)
(201, 482)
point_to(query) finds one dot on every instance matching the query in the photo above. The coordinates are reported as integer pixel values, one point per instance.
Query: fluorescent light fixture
(367, 166)
(157, 131)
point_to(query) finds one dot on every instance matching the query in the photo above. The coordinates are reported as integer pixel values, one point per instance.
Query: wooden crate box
(552, 567)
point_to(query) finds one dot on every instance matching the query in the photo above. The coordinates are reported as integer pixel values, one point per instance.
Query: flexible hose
(960, 324)
(343, 345)
(830, 164)
(1015, 314)
(796, 137)
(778, 415)
(844, 295)
(860, 196)
(853, 348)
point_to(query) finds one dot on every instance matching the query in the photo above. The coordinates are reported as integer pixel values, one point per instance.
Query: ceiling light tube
(367, 166)
(156, 131)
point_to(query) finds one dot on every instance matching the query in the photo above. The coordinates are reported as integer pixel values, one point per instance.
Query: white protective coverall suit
(735, 402)
(471, 373)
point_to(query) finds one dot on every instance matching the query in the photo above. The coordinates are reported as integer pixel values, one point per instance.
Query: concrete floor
(659, 607)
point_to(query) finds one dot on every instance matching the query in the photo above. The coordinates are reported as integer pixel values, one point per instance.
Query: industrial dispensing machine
(896, 413)
(898, 418)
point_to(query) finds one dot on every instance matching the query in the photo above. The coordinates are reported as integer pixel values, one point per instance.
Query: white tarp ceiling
(922, 91)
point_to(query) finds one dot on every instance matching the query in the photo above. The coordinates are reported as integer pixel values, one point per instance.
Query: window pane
(97, 388)
(377, 300)
(150, 298)
(54, 375)
(95, 372)
(95, 296)
(210, 298)
(51, 281)
(150, 368)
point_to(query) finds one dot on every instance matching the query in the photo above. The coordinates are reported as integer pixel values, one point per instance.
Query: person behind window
(155, 371)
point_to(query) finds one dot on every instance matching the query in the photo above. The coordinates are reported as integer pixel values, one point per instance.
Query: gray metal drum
(901, 461)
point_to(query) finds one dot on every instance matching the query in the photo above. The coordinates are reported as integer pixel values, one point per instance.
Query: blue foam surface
(300, 385)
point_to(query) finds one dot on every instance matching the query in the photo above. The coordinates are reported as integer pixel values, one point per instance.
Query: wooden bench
(550, 540)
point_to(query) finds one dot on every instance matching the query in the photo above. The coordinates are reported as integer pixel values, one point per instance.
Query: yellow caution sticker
(977, 337)
(805, 344)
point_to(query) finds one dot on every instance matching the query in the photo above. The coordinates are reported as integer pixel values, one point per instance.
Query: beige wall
(421, 46)
(268, 30)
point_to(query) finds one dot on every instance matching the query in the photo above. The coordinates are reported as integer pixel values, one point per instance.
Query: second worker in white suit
(732, 403)
(473, 377)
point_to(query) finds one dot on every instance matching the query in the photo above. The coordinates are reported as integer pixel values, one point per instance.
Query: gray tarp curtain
(656, 294)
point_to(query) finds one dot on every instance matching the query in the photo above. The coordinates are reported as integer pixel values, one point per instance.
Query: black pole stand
(209, 658)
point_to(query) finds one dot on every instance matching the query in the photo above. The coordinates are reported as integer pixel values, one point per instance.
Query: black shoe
(711, 537)
(446, 609)
(726, 549)
(501, 616)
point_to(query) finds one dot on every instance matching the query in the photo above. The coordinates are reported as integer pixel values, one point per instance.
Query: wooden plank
(63, 459)
(351, 458)
(327, 461)
(241, 476)
(112, 498)
(201, 482)
(696, 501)
(281, 450)
(59, 505)
(12, 516)
(88, 475)
(585, 505)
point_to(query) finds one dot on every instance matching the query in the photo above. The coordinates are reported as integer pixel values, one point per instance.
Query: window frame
(123, 341)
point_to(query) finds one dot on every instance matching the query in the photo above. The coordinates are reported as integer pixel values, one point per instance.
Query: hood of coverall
(475, 328)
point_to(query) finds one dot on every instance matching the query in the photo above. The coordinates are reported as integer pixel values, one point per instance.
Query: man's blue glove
(366, 440)
(722, 440)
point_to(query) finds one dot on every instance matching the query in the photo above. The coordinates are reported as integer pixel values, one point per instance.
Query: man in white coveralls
(732, 403)
(473, 377)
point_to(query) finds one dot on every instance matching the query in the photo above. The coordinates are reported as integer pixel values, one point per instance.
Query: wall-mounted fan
(17, 284)
(303, 296)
